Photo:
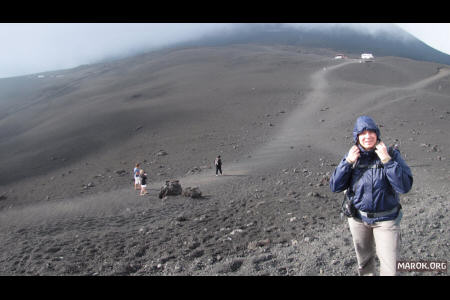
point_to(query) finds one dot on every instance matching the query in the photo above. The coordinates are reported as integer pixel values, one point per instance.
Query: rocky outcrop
(193, 192)
(171, 188)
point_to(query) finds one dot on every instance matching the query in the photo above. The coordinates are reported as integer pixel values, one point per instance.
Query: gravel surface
(281, 118)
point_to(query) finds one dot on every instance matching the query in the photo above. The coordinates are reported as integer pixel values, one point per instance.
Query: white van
(367, 56)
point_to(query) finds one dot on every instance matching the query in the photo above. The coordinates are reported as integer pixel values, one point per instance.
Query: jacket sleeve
(340, 180)
(399, 174)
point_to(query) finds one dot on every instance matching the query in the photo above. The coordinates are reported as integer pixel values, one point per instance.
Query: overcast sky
(436, 35)
(32, 48)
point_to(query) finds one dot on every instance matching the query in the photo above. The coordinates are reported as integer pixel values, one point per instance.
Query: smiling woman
(373, 180)
(367, 139)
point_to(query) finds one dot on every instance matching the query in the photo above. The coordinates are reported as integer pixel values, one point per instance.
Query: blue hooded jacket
(378, 188)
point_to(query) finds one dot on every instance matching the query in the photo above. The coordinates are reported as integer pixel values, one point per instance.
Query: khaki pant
(381, 238)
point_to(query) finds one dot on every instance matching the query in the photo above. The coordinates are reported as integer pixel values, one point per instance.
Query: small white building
(366, 56)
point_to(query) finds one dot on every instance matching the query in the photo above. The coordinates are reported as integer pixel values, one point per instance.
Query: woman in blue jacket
(373, 177)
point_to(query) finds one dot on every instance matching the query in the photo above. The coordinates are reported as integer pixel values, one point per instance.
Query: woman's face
(367, 139)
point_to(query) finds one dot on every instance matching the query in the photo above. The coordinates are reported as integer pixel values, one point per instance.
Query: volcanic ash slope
(280, 117)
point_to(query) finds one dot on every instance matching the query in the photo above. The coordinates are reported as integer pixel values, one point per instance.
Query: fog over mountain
(33, 48)
(379, 39)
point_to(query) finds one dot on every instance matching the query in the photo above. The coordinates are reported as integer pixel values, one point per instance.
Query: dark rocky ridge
(391, 40)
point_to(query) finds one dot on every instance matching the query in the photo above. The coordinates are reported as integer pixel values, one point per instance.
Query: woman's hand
(382, 152)
(353, 154)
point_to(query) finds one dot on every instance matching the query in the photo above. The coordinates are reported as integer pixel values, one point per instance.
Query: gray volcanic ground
(281, 117)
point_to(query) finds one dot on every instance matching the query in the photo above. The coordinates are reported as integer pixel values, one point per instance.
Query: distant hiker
(218, 164)
(137, 179)
(373, 176)
(143, 177)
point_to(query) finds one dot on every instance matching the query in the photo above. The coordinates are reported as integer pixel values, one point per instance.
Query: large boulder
(193, 192)
(171, 188)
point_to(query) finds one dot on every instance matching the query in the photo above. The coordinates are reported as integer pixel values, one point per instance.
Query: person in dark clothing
(143, 177)
(218, 163)
(373, 177)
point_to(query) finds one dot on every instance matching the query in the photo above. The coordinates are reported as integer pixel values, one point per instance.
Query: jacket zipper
(373, 198)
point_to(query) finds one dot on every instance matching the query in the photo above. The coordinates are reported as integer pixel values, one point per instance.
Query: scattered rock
(255, 244)
(165, 259)
(262, 258)
(193, 192)
(236, 264)
(197, 253)
(161, 153)
(349, 262)
(178, 268)
(236, 231)
(181, 218)
(194, 170)
(201, 218)
(324, 181)
(120, 172)
(314, 194)
(262, 243)
(171, 188)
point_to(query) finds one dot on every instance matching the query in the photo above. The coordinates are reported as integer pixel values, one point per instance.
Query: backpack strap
(356, 165)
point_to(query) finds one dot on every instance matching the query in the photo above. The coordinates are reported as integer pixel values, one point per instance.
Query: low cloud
(33, 48)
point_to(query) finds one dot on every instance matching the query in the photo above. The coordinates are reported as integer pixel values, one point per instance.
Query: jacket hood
(364, 123)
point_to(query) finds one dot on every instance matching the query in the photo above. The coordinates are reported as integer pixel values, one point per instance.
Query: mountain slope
(280, 117)
(389, 40)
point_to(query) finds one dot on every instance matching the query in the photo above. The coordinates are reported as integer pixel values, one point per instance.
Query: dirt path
(120, 232)
(310, 117)
(293, 133)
